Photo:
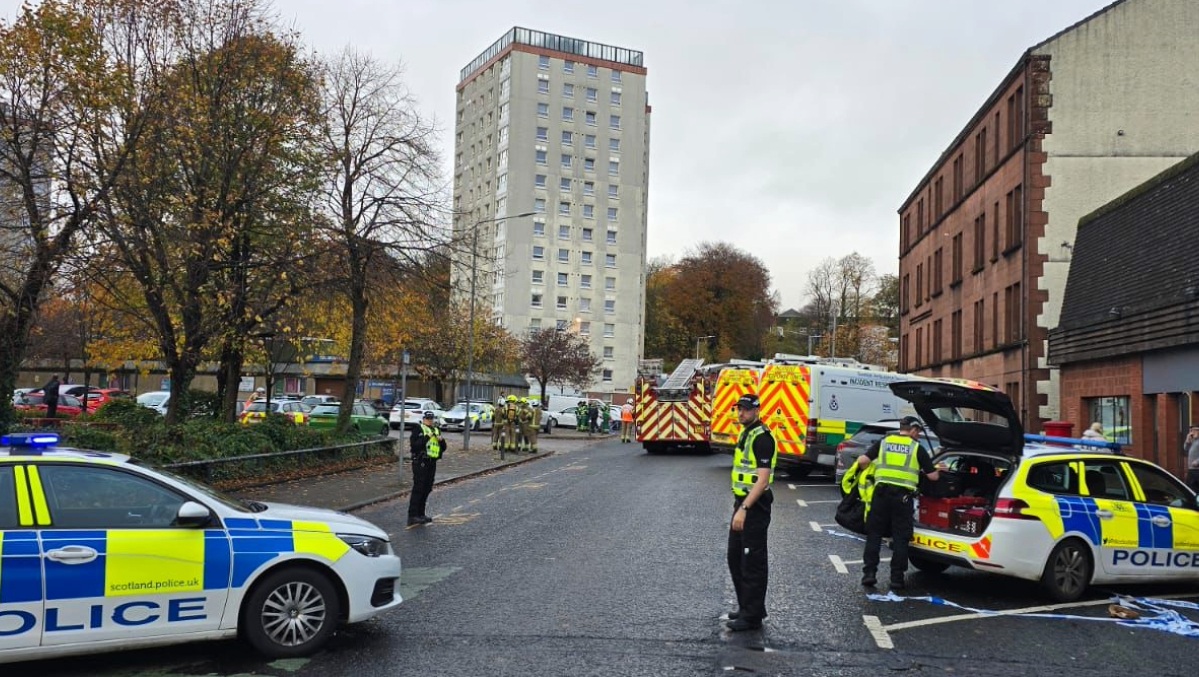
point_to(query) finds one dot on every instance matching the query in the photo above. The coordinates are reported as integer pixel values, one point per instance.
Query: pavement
(354, 489)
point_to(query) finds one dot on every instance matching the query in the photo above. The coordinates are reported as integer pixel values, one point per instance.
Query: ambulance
(100, 553)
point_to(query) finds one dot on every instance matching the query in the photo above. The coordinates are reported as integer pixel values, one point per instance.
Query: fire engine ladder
(677, 387)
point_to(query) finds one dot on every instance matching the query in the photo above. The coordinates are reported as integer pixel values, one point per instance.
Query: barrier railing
(250, 470)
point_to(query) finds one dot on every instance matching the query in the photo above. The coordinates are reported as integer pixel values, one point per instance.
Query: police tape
(1162, 619)
(861, 539)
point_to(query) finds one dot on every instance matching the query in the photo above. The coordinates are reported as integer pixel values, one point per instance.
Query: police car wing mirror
(192, 514)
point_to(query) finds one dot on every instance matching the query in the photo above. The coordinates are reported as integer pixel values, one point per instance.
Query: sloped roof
(789, 314)
(1137, 253)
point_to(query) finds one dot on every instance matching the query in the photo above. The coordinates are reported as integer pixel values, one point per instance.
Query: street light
(698, 339)
(470, 350)
(810, 336)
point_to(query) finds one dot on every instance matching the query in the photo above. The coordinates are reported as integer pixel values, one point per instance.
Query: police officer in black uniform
(427, 445)
(753, 471)
(899, 461)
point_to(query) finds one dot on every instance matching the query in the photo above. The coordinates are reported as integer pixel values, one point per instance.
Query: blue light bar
(29, 440)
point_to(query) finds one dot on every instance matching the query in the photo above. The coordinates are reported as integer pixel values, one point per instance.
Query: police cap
(910, 422)
(748, 402)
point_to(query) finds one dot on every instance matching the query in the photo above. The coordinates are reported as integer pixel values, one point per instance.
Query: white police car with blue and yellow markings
(1066, 516)
(100, 553)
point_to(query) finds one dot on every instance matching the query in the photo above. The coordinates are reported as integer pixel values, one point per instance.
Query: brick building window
(903, 295)
(1115, 415)
(1011, 299)
(936, 347)
(1014, 226)
(919, 217)
(995, 319)
(995, 234)
(919, 347)
(979, 314)
(1015, 118)
(958, 179)
(1013, 391)
(980, 156)
(919, 285)
(938, 273)
(937, 204)
(955, 335)
(903, 353)
(907, 231)
(980, 242)
(957, 261)
(928, 268)
(996, 139)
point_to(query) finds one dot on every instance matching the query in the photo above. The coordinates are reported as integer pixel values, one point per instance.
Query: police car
(100, 553)
(1066, 515)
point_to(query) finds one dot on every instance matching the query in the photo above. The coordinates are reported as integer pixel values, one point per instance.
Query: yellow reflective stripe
(24, 511)
(827, 426)
(317, 538)
(39, 497)
(153, 561)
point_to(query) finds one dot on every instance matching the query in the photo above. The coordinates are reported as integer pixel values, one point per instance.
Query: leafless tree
(553, 357)
(380, 189)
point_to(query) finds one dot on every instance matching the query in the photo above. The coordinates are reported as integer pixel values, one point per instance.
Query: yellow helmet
(512, 398)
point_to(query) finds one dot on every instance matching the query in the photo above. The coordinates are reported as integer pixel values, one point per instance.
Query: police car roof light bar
(30, 440)
(1074, 442)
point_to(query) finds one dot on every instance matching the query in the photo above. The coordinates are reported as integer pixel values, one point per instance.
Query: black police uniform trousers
(1193, 479)
(424, 469)
(747, 558)
(890, 509)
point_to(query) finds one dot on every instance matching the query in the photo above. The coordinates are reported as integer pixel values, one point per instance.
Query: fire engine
(675, 411)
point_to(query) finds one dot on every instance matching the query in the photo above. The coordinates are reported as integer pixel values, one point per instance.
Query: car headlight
(367, 545)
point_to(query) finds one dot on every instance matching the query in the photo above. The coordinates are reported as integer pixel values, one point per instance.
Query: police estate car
(98, 553)
(1066, 516)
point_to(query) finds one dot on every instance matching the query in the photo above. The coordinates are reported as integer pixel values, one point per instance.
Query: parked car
(363, 418)
(34, 401)
(482, 416)
(1064, 517)
(16, 394)
(853, 447)
(98, 397)
(294, 410)
(416, 408)
(314, 400)
(158, 400)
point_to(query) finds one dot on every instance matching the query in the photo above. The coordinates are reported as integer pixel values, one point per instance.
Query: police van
(100, 553)
(1059, 512)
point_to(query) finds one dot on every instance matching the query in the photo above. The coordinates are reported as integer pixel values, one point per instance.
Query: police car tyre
(1068, 570)
(292, 612)
(927, 565)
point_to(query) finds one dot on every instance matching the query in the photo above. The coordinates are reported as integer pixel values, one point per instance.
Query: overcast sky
(793, 129)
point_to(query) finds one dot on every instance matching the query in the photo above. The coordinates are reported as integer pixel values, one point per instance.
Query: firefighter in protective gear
(535, 426)
(899, 461)
(427, 446)
(497, 427)
(526, 426)
(581, 414)
(511, 415)
(626, 422)
(754, 459)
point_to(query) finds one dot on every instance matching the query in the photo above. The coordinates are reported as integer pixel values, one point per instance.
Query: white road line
(878, 631)
(884, 629)
(791, 487)
(802, 503)
(815, 526)
(814, 502)
(808, 486)
(838, 564)
(858, 561)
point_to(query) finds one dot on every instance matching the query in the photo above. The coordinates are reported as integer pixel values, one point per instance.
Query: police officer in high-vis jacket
(898, 460)
(427, 445)
(753, 471)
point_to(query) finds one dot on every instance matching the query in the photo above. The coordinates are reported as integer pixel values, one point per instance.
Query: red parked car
(68, 405)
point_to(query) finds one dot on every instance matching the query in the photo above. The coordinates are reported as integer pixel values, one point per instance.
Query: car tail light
(1012, 508)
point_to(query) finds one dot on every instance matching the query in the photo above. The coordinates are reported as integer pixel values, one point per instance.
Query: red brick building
(1128, 341)
(986, 235)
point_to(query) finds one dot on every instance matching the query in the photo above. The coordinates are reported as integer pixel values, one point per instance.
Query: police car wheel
(290, 613)
(927, 565)
(1068, 570)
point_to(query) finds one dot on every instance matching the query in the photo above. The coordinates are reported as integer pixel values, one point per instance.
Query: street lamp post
(470, 350)
(810, 336)
(697, 342)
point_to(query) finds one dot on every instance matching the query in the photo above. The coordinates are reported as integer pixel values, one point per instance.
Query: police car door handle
(1160, 521)
(73, 554)
(1104, 514)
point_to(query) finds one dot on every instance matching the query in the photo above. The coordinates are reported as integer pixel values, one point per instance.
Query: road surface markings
(841, 564)
(803, 504)
(881, 632)
(791, 487)
(810, 486)
(878, 632)
(815, 526)
(455, 518)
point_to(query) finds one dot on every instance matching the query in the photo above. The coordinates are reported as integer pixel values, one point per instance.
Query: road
(606, 561)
